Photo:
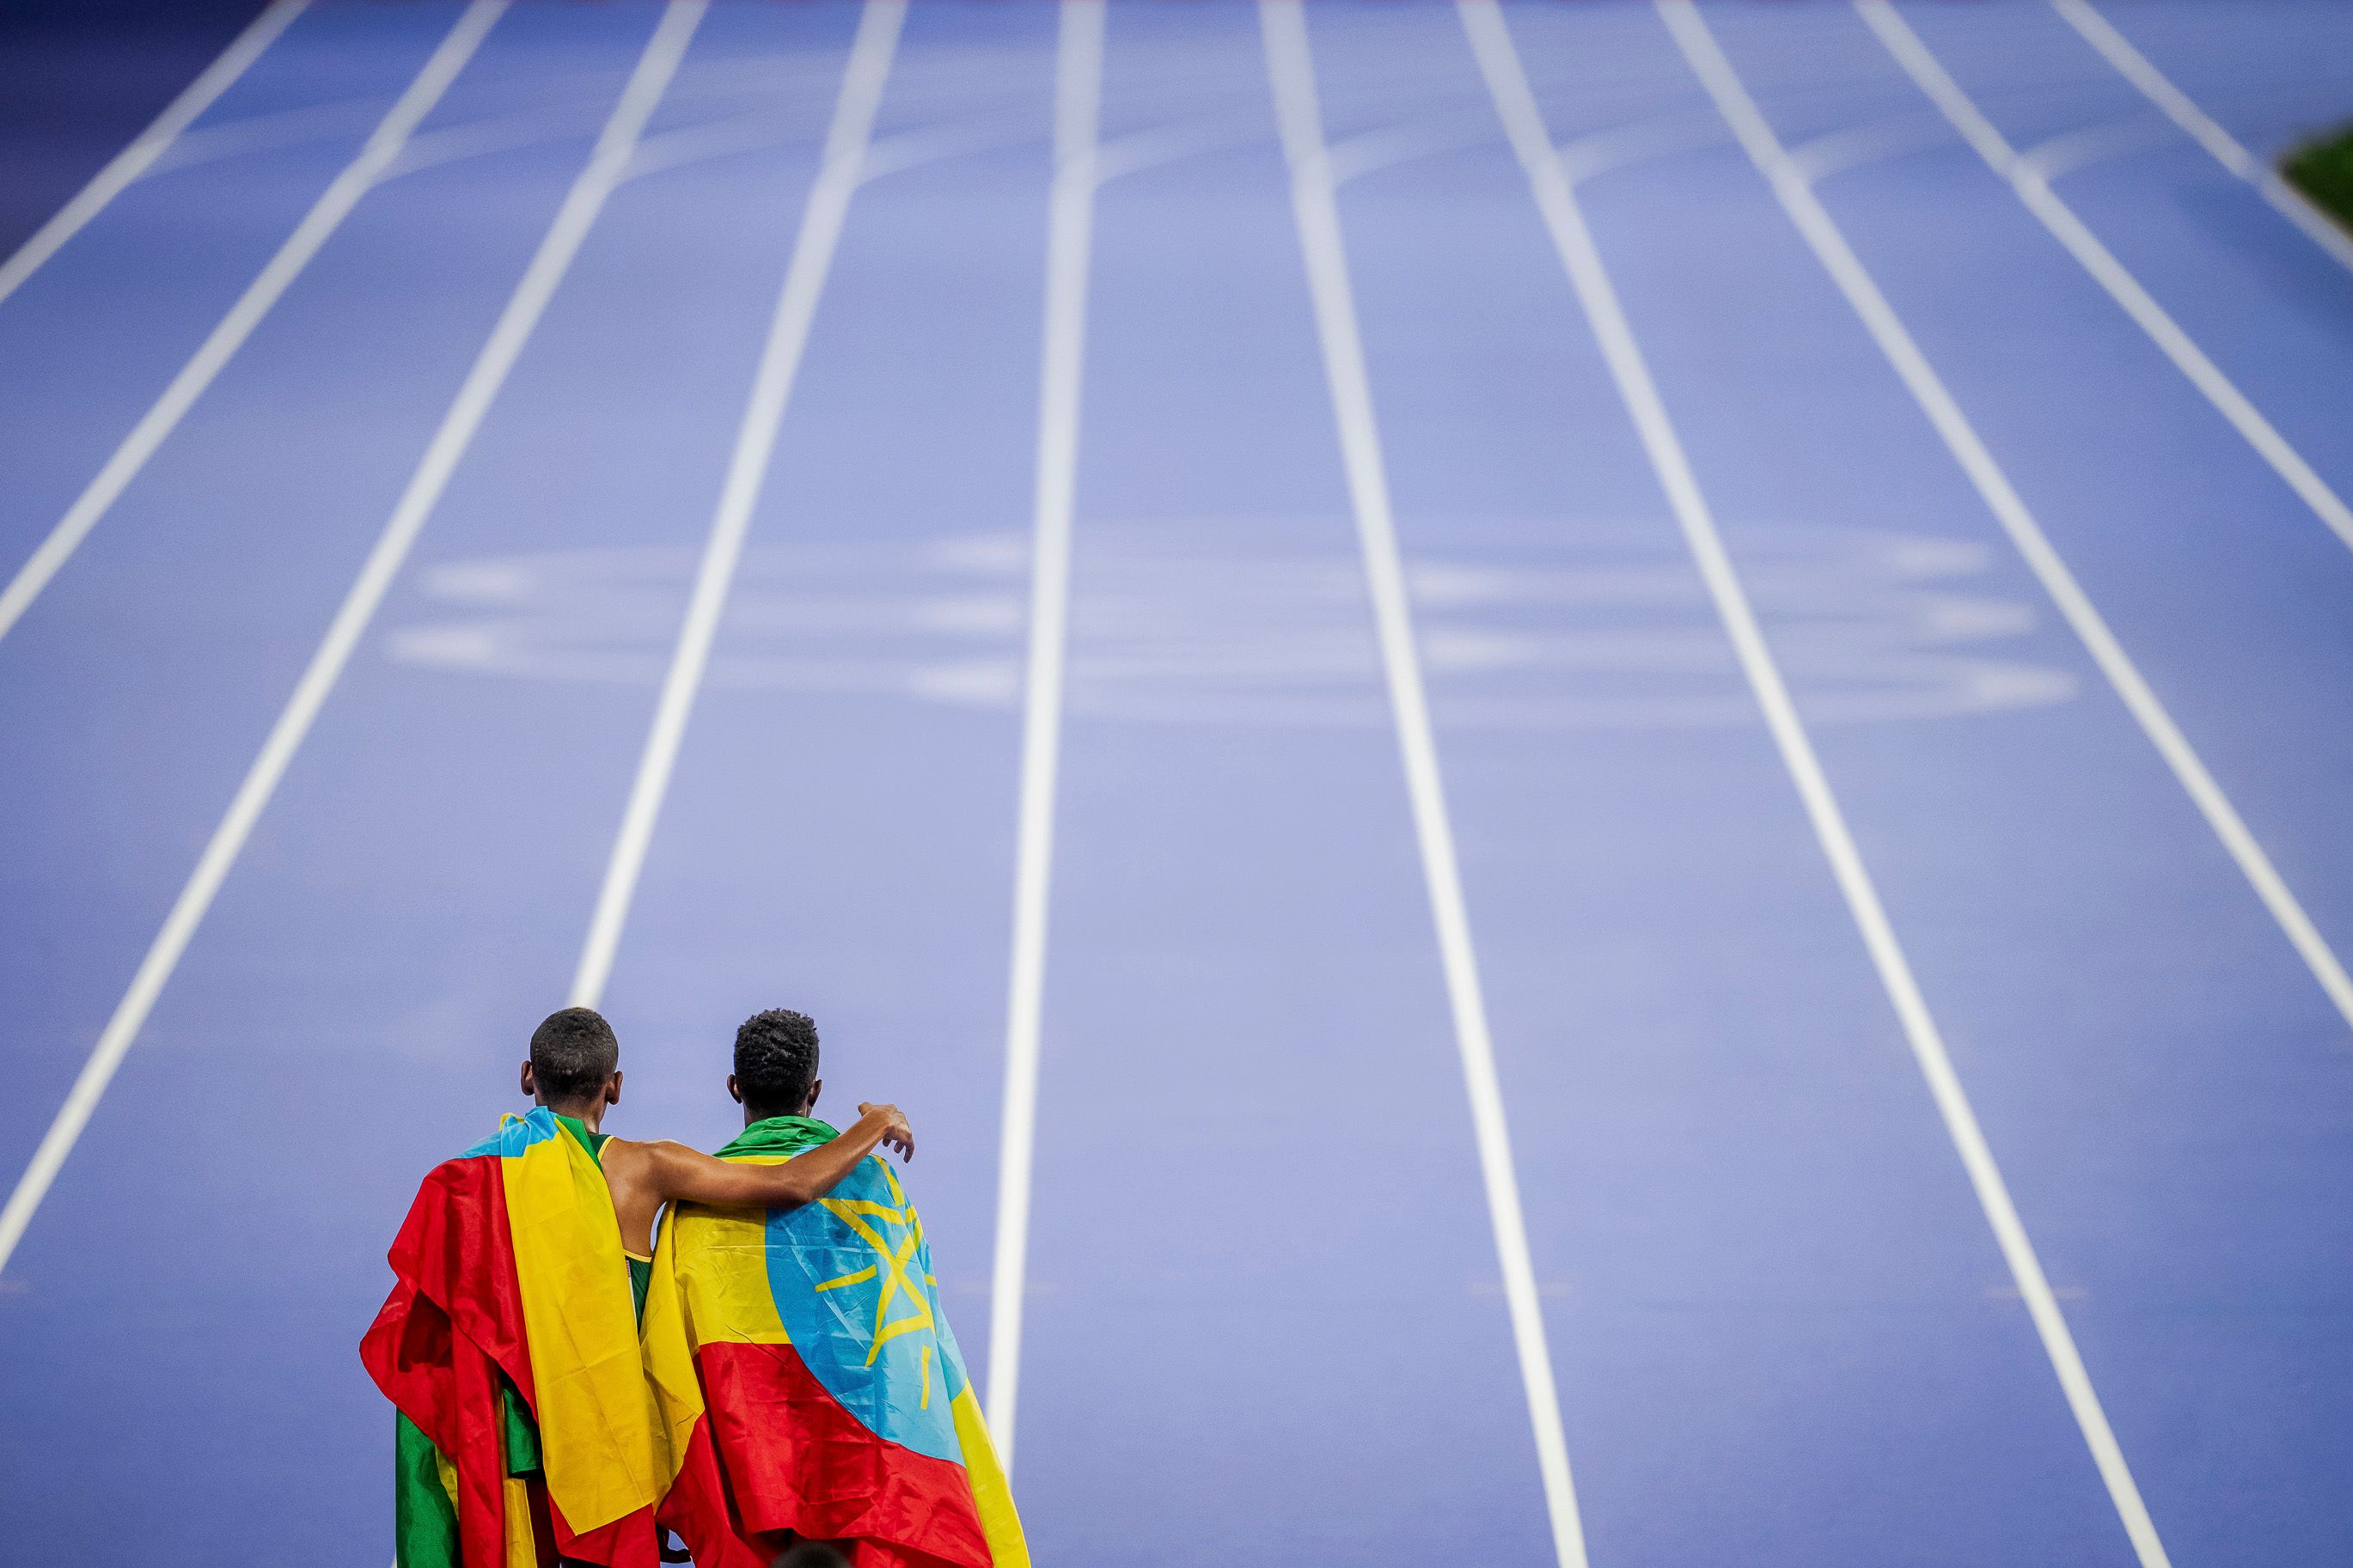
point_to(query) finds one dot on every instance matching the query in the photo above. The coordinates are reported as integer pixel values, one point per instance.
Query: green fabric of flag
(424, 1515)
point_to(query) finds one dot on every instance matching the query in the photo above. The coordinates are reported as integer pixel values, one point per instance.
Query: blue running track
(1783, 1002)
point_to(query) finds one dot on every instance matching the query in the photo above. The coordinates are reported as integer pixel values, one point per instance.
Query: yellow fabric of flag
(607, 1454)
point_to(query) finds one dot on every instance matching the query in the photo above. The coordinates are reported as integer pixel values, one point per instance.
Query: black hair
(775, 1060)
(573, 1052)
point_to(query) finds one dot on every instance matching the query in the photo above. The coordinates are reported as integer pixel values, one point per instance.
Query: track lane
(839, 832)
(2167, 1088)
(1258, 1226)
(1765, 1268)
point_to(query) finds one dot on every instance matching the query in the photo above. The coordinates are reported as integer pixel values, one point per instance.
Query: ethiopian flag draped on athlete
(528, 1425)
(829, 1398)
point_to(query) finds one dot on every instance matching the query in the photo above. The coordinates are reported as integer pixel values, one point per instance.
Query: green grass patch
(2322, 170)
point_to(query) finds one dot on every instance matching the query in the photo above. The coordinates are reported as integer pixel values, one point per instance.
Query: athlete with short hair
(528, 1430)
(574, 1071)
(814, 1362)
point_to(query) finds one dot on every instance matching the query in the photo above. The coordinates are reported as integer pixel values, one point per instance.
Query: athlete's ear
(529, 1089)
(613, 1088)
(816, 1088)
(733, 1093)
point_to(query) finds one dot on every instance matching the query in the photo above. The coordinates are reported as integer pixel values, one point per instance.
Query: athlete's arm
(672, 1173)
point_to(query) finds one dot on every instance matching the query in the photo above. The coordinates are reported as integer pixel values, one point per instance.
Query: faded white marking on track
(1525, 623)
(2062, 155)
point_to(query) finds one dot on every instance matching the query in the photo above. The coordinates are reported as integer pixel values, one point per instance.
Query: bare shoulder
(646, 1154)
(673, 1172)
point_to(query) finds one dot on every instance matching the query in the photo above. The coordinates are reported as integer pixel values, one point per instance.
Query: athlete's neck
(755, 1113)
(587, 1113)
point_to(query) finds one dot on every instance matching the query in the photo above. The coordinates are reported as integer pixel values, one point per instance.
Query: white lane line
(1140, 150)
(2057, 157)
(1836, 152)
(2095, 258)
(456, 432)
(1589, 275)
(151, 144)
(1616, 147)
(382, 148)
(1960, 436)
(1315, 209)
(827, 207)
(1390, 146)
(1715, 72)
(270, 131)
(1078, 102)
(2226, 149)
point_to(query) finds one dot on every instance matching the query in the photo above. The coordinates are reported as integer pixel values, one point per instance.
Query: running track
(1587, 764)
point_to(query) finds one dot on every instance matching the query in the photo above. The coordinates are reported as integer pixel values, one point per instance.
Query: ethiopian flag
(825, 1396)
(527, 1426)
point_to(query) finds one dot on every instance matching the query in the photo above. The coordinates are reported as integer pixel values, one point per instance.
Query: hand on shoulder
(896, 1132)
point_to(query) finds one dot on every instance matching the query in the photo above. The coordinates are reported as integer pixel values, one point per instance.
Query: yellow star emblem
(894, 1232)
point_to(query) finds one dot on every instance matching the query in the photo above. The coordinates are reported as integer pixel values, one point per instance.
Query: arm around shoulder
(681, 1175)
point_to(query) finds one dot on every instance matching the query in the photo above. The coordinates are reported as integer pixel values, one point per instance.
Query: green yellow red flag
(527, 1426)
(806, 1369)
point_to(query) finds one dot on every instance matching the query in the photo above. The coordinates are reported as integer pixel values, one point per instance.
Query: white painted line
(2226, 149)
(1587, 274)
(2056, 157)
(1140, 150)
(273, 131)
(151, 144)
(1749, 123)
(2071, 231)
(1854, 280)
(512, 331)
(1390, 146)
(276, 276)
(828, 206)
(1616, 147)
(1078, 102)
(1315, 209)
(2136, 68)
(1836, 152)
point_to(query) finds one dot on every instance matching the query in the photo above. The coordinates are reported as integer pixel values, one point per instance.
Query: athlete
(838, 1412)
(574, 1071)
(527, 1430)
